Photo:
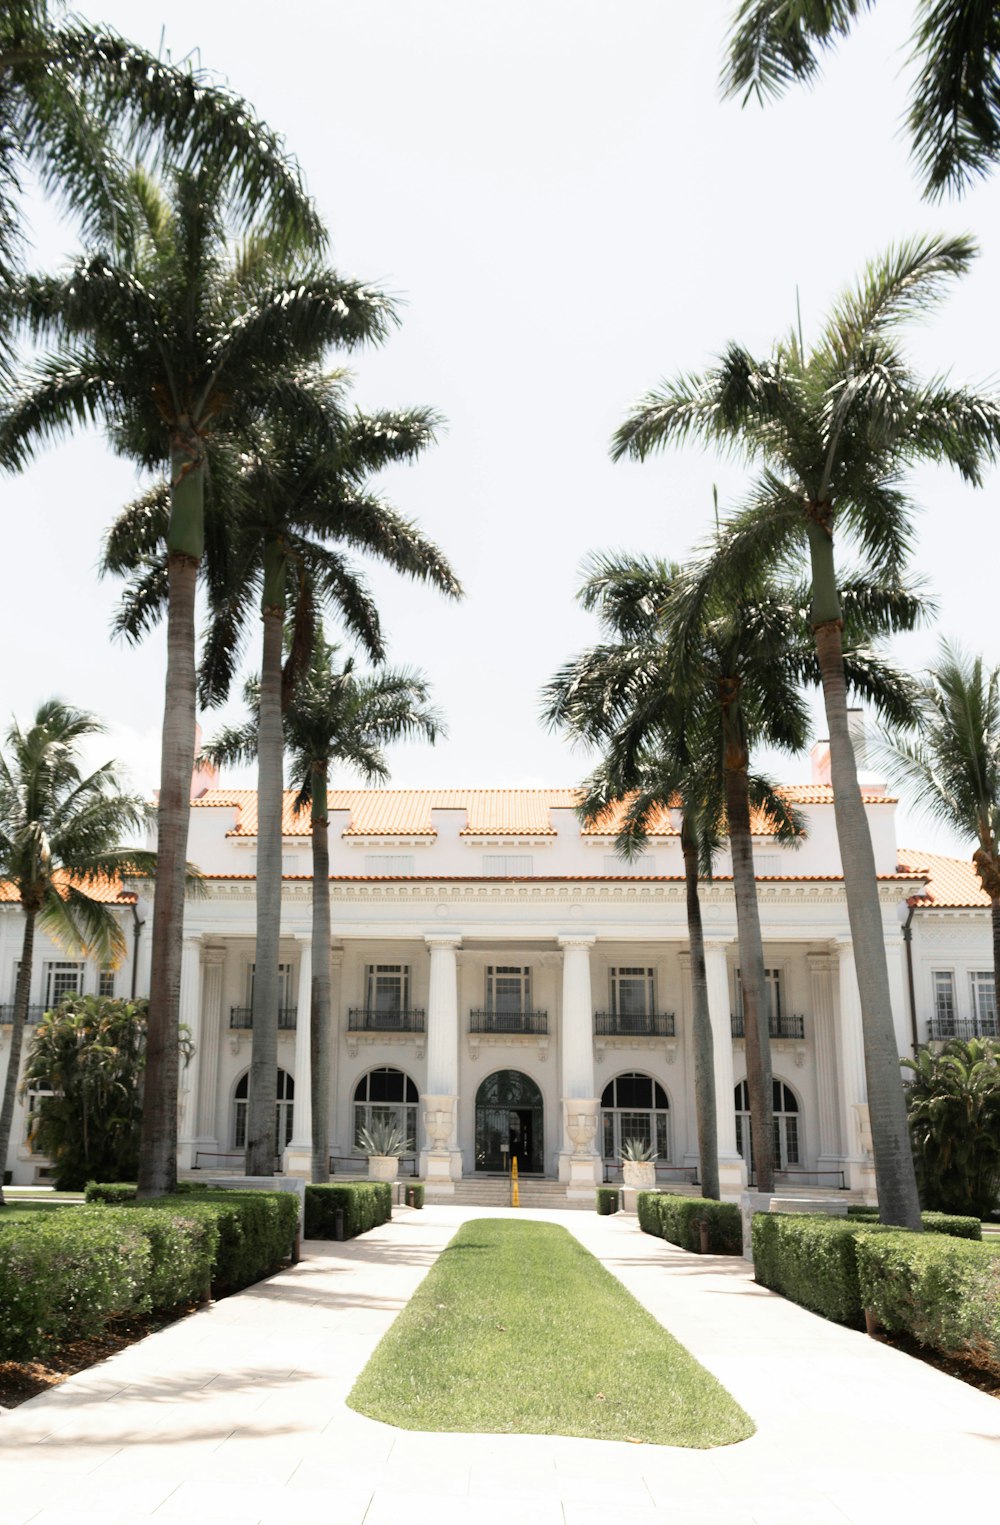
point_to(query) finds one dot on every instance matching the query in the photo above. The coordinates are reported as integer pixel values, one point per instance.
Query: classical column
(689, 1143)
(579, 1161)
(298, 1153)
(190, 1017)
(335, 1123)
(830, 1150)
(732, 1170)
(213, 959)
(858, 1164)
(441, 1160)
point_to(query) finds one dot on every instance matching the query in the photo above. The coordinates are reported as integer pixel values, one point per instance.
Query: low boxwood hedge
(934, 1223)
(413, 1195)
(607, 1200)
(811, 1259)
(679, 1220)
(365, 1204)
(945, 1292)
(114, 1192)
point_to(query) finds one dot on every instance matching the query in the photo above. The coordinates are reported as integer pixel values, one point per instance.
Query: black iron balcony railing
(33, 1016)
(777, 1027)
(508, 1022)
(365, 1019)
(625, 1024)
(963, 1027)
(242, 1017)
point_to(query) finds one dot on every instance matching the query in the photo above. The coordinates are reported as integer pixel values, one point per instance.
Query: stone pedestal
(297, 1162)
(581, 1170)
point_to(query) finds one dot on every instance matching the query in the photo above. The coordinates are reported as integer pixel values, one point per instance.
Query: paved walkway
(237, 1414)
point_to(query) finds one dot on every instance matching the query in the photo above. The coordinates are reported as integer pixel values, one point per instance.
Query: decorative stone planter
(639, 1174)
(383, 1167)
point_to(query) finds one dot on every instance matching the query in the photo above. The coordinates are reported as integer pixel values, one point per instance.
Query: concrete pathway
(237, 1414)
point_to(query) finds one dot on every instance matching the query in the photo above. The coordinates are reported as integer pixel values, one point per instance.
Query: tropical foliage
(953, 1100)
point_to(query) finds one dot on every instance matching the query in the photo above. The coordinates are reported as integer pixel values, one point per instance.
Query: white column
(732, 1171)
(689, 1143)
(298, 1153)
(213, 960)
(336, 1125)
(830, 1150)
(858, 1165)
(190, 1016)
(579, 1160)
(441, 1160)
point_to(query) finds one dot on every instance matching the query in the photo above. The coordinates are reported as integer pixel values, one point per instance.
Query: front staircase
(494, 1191)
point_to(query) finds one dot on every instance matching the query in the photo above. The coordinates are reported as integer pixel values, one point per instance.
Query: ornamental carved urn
(581, 1123)
(439, 1120)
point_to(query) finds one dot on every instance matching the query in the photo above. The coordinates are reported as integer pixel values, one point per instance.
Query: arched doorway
(785, 1107)
(509, 1123)
(635, 1106)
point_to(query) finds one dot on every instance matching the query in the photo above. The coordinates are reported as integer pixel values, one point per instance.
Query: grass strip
(517, 1329)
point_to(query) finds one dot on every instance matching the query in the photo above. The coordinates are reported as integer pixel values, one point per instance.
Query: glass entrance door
(509, 1124)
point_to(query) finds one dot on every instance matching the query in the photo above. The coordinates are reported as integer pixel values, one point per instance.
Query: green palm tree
(60, 835)
(333, 716)
(834, 429)
(954, 114)
(75, 96)
(175, 346)
(952, 765)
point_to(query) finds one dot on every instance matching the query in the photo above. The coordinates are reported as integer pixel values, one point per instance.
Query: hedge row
(943, 1292)
(364, 1204)
(63, 1275)
(811, 1259)
(934, 1223)
(679, 1220)
(413, 1194)
(607, 1200)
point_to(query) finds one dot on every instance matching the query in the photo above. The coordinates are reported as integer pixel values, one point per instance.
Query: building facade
(504, 985)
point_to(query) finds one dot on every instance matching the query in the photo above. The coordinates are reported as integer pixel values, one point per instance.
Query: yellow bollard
(515, 1200)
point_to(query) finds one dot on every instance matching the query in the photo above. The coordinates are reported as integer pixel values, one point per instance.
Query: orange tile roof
(952, 883)
(489, 812)
(104, 891)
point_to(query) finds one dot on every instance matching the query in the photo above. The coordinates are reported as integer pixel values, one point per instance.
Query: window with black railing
(242, 1017)
(508, 1007)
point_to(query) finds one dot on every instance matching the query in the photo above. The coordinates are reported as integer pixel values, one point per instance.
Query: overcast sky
(556, 193)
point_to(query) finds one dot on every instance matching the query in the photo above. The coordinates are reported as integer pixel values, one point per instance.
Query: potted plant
(383, 1143)
(638, 1164)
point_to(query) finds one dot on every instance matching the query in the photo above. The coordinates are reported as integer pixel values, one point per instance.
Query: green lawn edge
(517, 1329)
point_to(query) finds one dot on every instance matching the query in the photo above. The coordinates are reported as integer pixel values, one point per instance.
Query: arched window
(635, 1106)
(786, 1124)
(386, 1096)
(283, 1111)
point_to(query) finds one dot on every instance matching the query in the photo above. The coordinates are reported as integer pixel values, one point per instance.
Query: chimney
(819, 757)
(205, 775)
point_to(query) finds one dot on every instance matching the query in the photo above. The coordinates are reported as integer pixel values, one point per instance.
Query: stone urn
(439, 1121)
(383, 1167)
(640, 1174)
(581, 1124)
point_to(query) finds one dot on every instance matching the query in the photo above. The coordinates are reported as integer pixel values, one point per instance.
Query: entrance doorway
(509, 1124)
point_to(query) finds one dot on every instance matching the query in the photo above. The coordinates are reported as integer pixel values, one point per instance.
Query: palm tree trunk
(16, 1039)
(894, 1173)
(756, 1036)
(701, 1025)
(261, 1105)
(319, 1016)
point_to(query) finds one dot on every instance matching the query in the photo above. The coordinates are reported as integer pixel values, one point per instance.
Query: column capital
(821, 961)
(443, 939)
(718, 944)
(844, 943)
(336, 955)
(577, 940)
(213, 954)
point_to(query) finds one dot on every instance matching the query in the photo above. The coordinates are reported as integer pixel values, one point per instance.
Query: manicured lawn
(518, 1329)
(19, 1212)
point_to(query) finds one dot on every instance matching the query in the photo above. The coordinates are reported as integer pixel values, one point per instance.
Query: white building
(502, 978)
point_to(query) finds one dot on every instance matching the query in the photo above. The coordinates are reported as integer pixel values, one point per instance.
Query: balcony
(365, 1019)
(943, 1028)
(34, 1014)
(527, 1022)
(777, 1027)
(622, 1024)
(241, 1018)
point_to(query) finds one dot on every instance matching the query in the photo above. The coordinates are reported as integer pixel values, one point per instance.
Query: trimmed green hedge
(607, 1200)
(944, 1292)
(365, 1204)
(679, 1219)
(413, 1195)
(934, 1223)
(115, 1192)
(811, 1259)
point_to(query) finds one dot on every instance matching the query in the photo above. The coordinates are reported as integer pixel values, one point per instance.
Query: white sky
(570, 213)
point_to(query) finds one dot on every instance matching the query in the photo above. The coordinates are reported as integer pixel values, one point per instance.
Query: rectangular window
(984, 1002)
(507, 865)
(632, 992)
(285, 999)
(508, 988)
(615, 867)
(388, 987)
(62, 979)
(944, 1000)
(772, 995)
(106, 982)
(388, 863)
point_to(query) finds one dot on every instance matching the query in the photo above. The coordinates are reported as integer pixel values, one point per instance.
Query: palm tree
(954, 1107)
(333, 715)
(60, 832)
(953, 764)
(834, 429)
(170, 345)
(954, 115)
(76, 95)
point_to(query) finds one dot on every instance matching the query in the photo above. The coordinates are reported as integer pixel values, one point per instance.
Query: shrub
(256, 1229)
(953, 1103)
(365, 1204)
(414, 1194)
(607, 1200)
(679, 1219)
(934, 1223)
(944, 1292)
(110, 1191)
(810, 1258)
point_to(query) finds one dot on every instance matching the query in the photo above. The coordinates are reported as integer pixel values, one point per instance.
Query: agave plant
(385, 1138)
(637, 1151)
